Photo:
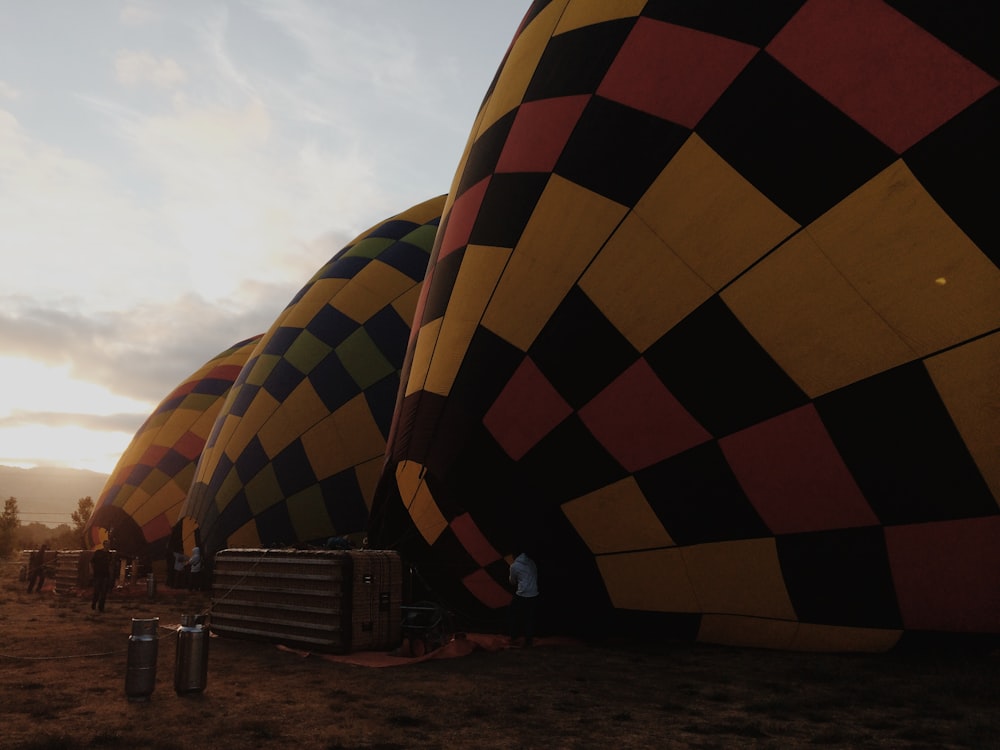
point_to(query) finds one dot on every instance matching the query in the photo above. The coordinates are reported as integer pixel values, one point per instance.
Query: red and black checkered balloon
(712, 326)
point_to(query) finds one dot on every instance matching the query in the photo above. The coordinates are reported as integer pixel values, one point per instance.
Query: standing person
(195, 561)
(36, 569)
(100, 566)
(524, 579)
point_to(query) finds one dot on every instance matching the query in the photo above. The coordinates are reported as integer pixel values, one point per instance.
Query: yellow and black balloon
(712, 327)
(141, 502)
(295, 454)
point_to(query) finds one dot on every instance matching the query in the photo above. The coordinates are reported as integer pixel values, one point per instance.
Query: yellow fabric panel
(156, 421)
(175, 428)
(477, 278)
(138, 506)
(752, 632)
(210, 456)
(367, 474)
(369, 291)
(654, 581)
(616, 518)
(755, 632)
(315, 299)
(968, 380)
(740, 577)
(812, 637)
(263, 490)
(617, 283)
(712, 217)
(229, 488)
(520, 65)
(349, 436)
(300, 410)
(202, 426)
(419, 501)
(571, 218)
(260, 370)
(582, 13)
(812, 321)
(308, 514)
(261, 408)
(405, 304)
(420, 361)
(422, 212)
(245, 537)
(893, 243)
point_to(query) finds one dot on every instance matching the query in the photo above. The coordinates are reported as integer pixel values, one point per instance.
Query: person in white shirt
(524, 579)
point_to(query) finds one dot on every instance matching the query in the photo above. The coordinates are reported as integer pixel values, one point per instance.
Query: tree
(10, 521)
(85, 506)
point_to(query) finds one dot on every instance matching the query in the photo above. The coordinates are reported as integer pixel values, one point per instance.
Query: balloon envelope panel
(296, 451)
(711, 325)
(142, 499)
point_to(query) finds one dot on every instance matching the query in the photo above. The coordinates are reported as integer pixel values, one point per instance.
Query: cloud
(132, 68)
(92, 422)
(138, 14)
(7, 91)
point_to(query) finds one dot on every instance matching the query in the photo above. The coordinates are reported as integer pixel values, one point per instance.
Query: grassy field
(62, 686)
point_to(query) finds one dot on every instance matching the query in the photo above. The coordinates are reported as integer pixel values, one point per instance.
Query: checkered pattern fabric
(295, 453)
(142, 499)
(712, 322)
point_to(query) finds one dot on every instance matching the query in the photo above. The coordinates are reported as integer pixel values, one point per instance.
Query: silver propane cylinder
(191, 666)
(143, 647)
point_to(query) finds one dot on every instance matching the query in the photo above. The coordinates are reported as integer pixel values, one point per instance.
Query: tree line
(15, 536)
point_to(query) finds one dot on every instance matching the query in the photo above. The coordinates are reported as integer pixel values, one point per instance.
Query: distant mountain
(49, 495)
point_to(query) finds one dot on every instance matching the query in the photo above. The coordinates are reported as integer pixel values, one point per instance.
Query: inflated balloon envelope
(711, 323)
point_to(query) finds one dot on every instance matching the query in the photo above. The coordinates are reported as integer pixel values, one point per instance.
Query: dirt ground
(63, 668)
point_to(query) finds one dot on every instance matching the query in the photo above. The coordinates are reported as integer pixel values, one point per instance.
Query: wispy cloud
(132, 68)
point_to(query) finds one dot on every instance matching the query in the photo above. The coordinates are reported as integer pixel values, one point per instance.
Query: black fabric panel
(752, 23)
(958, 165)
(381, 400)
(390, 333)
(293, 469)
(617, 151)
(275, 527)
(840, 577)
(333, 383)
(718, 371)
(697, 498)
(344, 503)
(283, 379)
(251, 460)
(331, 326)
(442, 282)
(579, 350)
(575, 62)
(904, 451)
(968, 26)
(244, 397)
(485, 152)
(506, 208)
(793, 145)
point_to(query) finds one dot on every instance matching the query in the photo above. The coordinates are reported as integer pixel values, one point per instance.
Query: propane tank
(191, 667)
(151, 586)
(143, 646)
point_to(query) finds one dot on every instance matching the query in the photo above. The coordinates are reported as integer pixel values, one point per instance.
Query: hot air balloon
(296, 451)
(712, 325)
(141, 501)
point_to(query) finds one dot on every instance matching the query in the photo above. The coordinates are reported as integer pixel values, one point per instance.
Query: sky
(172, 173)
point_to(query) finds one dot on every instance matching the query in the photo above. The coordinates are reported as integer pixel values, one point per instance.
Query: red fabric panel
(157, 528)
(527, 410)
(539, 133)
(639, 421)
(153, 455)
(947, 574)
(791, 471)
(190, 445)
(673, 72)
(473, 540)
(462, 218)
(878, 67)
(486, 590)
